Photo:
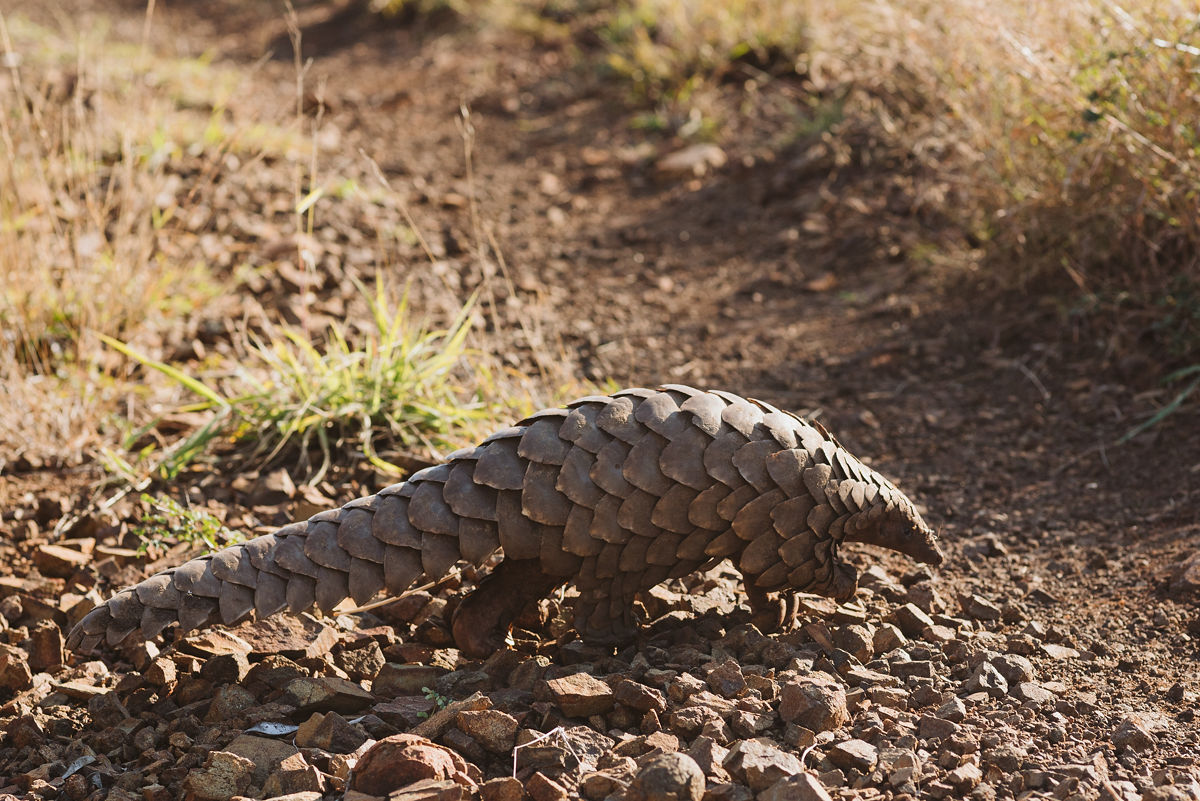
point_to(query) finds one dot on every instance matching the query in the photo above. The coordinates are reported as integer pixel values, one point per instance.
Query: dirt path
(1002, 423)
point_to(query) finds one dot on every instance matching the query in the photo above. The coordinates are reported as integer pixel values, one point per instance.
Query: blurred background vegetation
(1056, 146)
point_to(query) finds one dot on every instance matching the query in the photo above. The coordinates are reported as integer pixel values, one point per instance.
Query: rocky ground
(1053, 655)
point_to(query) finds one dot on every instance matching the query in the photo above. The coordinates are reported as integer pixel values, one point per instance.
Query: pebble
(987, 678)
(800, 787)
(402, 759)
(1014, 668)
(726, 679)
(814, 703)
(640, 697)
(669, 777)
(223, 776)
(854, 754)
(1033, 693)
(953, 710)
(496, 731)
(1132, 735)
(931, 727)
(759, 763)
(581, 695)
(911, 619)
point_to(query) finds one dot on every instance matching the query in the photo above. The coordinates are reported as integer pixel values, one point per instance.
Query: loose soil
(792, 273)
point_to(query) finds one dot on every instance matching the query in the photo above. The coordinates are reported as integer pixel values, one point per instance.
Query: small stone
(330, 732)
(1058, 651)
(325, 694)
(600, 784)
(294, 776)
(911, 619)
(360, 663)
(392, 679)
(930, 727)
(1186, 578)
(45, 647)
(759, 763)
(228, 702)
(856, 640)
(709, 755)
(888, 638)
(223, 776)
(938, 634)
(814, 703)
(581, 695)
(669, 777)
(14, 669)
(920, 668)
(1131, 735)
(640, 697)
(504, 788)
(161, 672)
(801, 787)
(402, 759)
(1014, 668)
(979, 608)
(987, 679)
(542, 788)
(429, 790)
(496, 731)
(264, 753)
(964, 778)
(292, 636)
(954, 710)
(727, 680)
(59, 562)
(1032, 693)
(854, 754)
(439, 722)
(728, 791)
(694, 160)
(227, 668)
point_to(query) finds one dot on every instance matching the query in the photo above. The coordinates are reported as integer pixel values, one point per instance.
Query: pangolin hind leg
(770, 611)
(485, 614)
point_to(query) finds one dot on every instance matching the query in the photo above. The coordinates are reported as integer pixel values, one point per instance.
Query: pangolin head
(902, 529)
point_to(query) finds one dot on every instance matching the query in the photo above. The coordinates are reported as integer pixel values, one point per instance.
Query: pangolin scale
(613, 494)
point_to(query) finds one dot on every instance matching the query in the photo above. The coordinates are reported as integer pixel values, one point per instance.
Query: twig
(562, 734)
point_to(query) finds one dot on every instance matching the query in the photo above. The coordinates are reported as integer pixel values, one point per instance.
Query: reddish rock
(581, 695)
(223, 776)
(292, 777)
(14, 669)
(814, 703)
(496, 731)
(640, 697)
(759, 763)
(505, 788)
(854, 754)
(669, 777)
(542, 788)
(325, 694)
(45, 647)
(801, 787)
(402, 759)
(59, 562)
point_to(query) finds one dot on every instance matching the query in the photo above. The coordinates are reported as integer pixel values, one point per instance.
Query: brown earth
(793, 273)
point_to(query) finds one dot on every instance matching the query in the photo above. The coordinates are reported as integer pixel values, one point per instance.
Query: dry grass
(1062, 134)
(129, 185)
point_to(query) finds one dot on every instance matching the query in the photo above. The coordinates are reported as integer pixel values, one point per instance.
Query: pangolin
(612, 493)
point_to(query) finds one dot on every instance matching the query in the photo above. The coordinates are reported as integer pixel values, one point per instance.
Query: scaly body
(614, 494)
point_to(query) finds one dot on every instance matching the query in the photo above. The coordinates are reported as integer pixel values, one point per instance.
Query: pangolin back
(611, 493)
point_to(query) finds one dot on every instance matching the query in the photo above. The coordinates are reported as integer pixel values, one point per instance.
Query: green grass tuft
(394, 384)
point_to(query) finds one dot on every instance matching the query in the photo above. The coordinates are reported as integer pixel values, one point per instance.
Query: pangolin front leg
(613, 493)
